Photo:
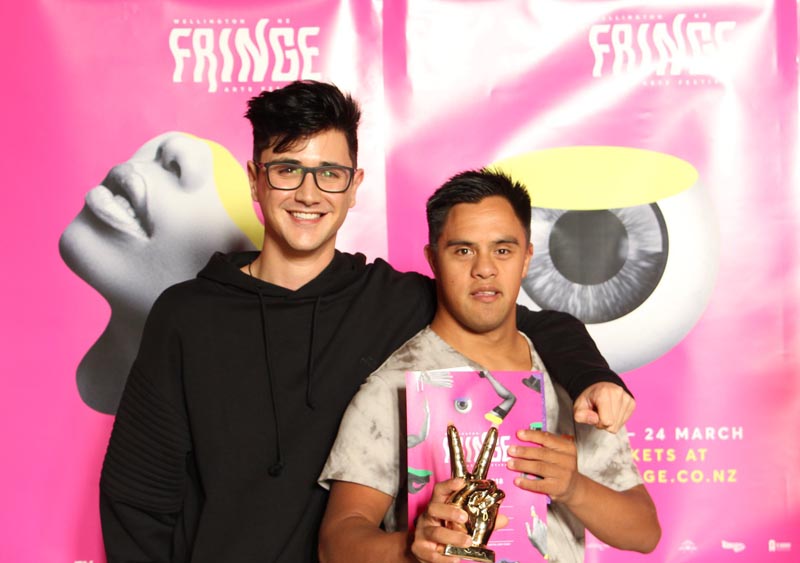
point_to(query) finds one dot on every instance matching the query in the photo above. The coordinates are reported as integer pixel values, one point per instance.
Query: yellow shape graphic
(493, 418)
(233, 189)
(592, 178)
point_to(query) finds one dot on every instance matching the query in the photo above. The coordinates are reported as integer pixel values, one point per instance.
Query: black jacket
(235, 397)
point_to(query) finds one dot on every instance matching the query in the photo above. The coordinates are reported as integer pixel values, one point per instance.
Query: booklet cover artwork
(473, 402)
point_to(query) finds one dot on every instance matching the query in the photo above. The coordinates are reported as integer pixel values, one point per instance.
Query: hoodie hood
(336, 278)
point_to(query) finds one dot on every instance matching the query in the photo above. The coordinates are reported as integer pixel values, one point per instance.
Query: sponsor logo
(776, 546)
(687, 546)
(735, 546)
(230, 55)
(684, 49)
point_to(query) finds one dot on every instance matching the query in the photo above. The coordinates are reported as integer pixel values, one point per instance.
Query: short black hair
(299, 110)
(473, 186)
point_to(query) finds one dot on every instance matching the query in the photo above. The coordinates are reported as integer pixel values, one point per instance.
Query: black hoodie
(235, 397)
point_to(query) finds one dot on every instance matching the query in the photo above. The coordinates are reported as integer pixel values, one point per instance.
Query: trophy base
(472, 553)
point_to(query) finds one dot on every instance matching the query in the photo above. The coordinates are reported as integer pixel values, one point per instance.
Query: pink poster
(667, 126)
(124, 146)
(657, 140)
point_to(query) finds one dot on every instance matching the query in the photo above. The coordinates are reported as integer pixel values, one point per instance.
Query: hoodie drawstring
(310, 363)
(276, 468)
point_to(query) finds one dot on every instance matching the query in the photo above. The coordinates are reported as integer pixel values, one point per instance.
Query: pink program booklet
(474, 401)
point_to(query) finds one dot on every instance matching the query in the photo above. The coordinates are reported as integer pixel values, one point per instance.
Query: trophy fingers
(488, 498)
(458, 468)
(485, 457)
(462, 496)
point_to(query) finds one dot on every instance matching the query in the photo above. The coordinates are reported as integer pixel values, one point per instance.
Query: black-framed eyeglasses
(331, 178)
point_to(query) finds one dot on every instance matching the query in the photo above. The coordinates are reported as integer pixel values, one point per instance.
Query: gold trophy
(479, 498)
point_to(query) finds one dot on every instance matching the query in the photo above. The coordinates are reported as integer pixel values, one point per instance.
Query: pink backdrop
(444, 86)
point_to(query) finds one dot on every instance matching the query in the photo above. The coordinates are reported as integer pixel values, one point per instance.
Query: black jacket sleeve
(144, 476)
(567, 350)
(132, 534)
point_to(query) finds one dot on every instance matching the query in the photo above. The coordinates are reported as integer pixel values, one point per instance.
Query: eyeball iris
(463, 405)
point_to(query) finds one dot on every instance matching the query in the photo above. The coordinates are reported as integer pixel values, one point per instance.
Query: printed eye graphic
(623, 239)
(596, 265)
(463, 406)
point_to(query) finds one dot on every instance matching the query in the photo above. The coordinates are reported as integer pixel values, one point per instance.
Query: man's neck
(289, 271)
(503, 349)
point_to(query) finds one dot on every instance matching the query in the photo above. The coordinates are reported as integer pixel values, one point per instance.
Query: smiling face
(153, 221)
(479, 262)
(303, 223)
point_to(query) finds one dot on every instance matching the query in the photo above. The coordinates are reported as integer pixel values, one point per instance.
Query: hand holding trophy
(479, 498)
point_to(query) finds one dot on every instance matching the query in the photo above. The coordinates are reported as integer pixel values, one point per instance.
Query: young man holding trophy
(479, 250)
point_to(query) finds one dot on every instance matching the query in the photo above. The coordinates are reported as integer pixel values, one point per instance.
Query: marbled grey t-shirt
(370, 447)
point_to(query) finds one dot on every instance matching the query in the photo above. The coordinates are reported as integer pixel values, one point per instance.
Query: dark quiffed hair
(473, 186)
(299, 110)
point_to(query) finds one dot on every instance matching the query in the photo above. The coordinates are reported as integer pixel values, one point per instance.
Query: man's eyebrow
(457, 242)
(502, 240)
(507, 240)
(296, 161)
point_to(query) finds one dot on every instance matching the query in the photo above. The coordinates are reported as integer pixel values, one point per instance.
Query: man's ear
(358, 177)
(252, 177)
(528, 256)
(430, 256)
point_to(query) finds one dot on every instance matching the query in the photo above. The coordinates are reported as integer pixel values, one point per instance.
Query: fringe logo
(688, 50)
(472, 442)
(224, 53)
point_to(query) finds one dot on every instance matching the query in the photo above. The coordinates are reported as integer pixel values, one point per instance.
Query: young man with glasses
(243, 374)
